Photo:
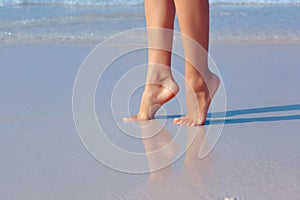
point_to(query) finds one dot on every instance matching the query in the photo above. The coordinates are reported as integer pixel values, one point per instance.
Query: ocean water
(91, 21)
(133, 2)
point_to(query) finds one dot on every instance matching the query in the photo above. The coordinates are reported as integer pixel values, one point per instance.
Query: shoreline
(93, 43)
(59, 24)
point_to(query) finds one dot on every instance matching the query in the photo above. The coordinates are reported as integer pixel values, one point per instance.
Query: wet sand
(256, 157)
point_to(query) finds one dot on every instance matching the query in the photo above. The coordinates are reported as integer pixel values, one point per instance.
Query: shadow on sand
(232, 113)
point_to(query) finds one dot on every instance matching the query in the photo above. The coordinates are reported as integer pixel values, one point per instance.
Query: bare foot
(156, 93)
(198, 99)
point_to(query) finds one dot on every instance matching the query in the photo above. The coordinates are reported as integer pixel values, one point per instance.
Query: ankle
(198, 82)
(195, 84)
(159, 76)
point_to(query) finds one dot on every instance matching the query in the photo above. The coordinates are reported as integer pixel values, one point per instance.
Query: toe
(200, 122)
(191, 123)
(178, 120)
(129, 119)
(185, 121)
(194, 123)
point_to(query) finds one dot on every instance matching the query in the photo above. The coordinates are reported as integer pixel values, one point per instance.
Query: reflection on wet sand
(166, 182)
(159, 146)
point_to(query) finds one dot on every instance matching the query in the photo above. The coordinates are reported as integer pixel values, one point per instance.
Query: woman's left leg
(201, 83)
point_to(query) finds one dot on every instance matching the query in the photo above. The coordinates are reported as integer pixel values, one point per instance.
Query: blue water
(134, 2)
(58, 22)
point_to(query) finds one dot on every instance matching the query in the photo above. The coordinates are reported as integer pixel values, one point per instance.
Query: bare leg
(160, 86)
(201, 83)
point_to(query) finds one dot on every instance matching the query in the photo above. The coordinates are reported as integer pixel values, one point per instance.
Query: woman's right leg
(160, 86)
